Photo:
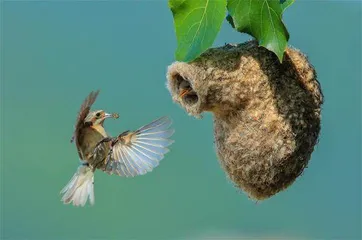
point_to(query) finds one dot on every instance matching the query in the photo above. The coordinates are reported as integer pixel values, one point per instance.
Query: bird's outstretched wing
(136, 153)
(83, 112)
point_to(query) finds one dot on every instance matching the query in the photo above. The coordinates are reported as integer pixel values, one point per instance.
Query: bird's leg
(98, 145)
(113, 142)
(107, 160)
(106, 139)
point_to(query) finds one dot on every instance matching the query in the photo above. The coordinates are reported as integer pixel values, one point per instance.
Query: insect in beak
(109, 115)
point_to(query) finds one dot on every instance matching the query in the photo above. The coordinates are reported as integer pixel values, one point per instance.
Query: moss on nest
(266, 114)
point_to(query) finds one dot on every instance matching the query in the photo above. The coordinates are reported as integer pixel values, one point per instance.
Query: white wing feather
(144, 151)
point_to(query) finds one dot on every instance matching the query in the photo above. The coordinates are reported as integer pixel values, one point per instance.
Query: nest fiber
(266, 113)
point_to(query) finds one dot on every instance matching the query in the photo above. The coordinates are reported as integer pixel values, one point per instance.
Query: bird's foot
(108, 161)
(106, 139)
(99, 145)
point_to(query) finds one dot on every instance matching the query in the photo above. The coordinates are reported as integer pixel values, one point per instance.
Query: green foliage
(263, 20)
(286, 3)
(197, 23)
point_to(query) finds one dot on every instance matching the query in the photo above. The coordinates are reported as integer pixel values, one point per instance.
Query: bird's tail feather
(80, 187)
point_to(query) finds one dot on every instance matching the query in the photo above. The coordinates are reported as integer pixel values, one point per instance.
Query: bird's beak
(111, 115)
(184, 92)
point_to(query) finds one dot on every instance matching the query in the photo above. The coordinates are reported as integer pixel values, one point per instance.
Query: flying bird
(130, 154)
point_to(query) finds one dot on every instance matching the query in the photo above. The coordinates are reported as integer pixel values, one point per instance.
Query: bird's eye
(98, 114)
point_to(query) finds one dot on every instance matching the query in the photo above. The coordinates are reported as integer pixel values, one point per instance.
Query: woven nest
(266, 114)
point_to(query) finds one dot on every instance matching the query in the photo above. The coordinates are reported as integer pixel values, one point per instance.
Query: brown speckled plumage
(266, 114)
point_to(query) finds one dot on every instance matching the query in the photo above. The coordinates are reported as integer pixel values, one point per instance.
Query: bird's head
(97, 117)
(185, 89)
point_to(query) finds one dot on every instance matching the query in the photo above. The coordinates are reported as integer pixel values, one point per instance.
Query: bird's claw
(107, 139)
(98, 147)
(106, 164)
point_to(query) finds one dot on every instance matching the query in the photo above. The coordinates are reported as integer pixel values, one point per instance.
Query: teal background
(55, 53)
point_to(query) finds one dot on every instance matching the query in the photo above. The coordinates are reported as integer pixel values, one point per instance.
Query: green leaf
(263, 20)
(197, 23)
(286, 3)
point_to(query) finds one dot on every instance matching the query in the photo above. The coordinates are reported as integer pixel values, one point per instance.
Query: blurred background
(55, 52)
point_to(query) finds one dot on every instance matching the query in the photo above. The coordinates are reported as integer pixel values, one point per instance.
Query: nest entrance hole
(185, 91)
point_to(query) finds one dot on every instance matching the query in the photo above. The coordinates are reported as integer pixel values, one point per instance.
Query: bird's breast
(100, 129)
(88, 138)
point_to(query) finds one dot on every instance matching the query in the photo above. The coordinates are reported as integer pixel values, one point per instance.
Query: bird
(185, 89)
(130, 154)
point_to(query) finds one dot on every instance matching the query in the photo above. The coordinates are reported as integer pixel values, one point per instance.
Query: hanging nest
(266, 113)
